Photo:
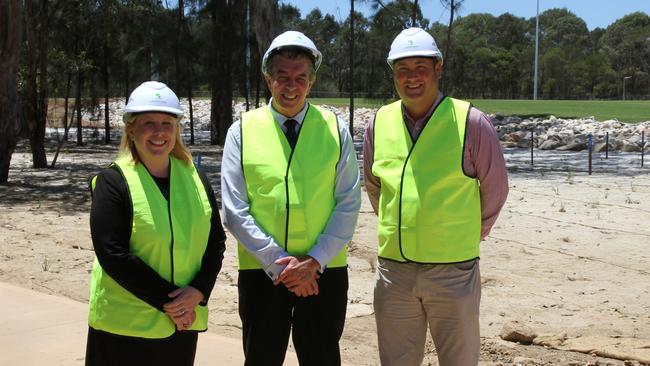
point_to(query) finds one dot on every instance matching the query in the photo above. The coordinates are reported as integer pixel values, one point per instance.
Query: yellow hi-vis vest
(429, 210)
(169, 236)
(290, 192)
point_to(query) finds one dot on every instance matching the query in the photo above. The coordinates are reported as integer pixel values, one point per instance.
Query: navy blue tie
(291, 134)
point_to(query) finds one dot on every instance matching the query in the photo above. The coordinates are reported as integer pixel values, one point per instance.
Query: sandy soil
(567, 259)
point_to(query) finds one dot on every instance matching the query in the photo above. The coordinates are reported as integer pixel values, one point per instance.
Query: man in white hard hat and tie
(435, 175)
(291, 197)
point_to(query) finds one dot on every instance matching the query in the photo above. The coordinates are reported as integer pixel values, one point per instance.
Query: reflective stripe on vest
(429, 210)
(290, 193)
(169, 236)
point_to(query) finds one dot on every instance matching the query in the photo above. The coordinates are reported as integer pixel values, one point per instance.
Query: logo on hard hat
(158, 95)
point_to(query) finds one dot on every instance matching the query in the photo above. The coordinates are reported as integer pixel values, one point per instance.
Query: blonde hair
(127, 147)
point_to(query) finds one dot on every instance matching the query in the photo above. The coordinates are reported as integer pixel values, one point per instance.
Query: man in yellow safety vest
(290, 187)
(435, 175)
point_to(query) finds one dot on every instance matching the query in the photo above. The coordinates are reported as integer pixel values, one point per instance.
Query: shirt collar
(408, 118)
(280, 119)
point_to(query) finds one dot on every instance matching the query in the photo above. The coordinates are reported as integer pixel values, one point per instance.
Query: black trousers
(270, 313)
(107, 349)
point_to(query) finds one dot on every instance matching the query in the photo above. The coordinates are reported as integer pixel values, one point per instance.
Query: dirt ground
(568, 260)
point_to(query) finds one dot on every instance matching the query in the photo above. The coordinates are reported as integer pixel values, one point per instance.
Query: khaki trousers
(445, 297)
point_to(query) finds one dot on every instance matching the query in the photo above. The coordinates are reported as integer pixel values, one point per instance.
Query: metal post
(642, 146)
(532, 132)
(590, 144)
(606, 145)
(624, 79)
(536, 50)
(352, 68)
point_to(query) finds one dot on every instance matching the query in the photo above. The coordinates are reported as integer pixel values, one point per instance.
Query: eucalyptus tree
(324, 31)
(413, 14)
(10, 39)
(36, 21)
(226, 22)
(626, 43)
(454, 6)
(341, 65)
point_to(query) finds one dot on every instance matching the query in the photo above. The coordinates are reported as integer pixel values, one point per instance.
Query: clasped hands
(300, 275)
(181, 308)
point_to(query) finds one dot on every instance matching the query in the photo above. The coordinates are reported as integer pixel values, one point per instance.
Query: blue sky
(596, 13)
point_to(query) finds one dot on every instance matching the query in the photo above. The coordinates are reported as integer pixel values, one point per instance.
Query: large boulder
(574, 145)
(550, 144)
(630, 146)
(515, 331)
(601, 146)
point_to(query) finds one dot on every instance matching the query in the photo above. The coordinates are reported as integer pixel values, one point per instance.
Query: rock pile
(548, 134)
(571, 134)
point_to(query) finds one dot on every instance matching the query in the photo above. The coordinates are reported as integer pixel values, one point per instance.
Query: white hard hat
(153, 96)
(413, 42)
(293, 38)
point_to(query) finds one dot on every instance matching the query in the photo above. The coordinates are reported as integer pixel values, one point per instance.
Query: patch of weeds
(556, 189)
(630, 201)
(569, 177)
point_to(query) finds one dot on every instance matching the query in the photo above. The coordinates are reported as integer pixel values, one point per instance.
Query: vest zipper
(171, 227)
(286, 191)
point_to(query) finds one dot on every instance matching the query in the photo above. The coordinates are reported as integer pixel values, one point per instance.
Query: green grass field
(624, 111)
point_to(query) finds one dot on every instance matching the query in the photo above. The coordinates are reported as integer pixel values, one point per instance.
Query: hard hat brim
(431, 54)
(316, 54)
(142, 109)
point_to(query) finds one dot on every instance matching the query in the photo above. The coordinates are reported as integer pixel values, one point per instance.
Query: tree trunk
(127, 80)
(107, 122)
(65, 110)
(190, 85)
(267, 22)
(221, 81)
(9, 50)
(258, 77)
(453, 6)
(414, 17)
(189, 103)
(78, 105)
(66, 127)
(177, 45)
(35, 94)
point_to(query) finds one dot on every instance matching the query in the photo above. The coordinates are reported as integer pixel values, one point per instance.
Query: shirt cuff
(273, 270)
(319, 256)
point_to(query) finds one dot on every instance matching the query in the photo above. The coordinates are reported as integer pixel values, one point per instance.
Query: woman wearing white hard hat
(158, 241)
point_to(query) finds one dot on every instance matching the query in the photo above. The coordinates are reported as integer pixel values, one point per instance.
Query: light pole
(536, 51)
(625, 78)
